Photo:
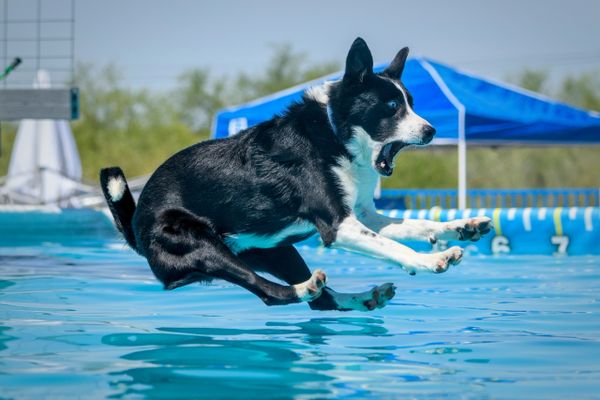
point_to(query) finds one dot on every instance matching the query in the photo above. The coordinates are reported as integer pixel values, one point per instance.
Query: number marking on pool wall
(547, 230)
(500, 245)
(562, 242)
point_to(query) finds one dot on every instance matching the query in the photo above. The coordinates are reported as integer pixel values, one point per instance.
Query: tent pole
(462, 161)
(462, 143)
(462, 175)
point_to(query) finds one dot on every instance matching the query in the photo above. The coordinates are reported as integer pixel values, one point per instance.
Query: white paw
(311, 289)
(467, 229)
(437, 262)
(379, 296)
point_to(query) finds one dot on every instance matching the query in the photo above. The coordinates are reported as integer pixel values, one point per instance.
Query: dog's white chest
(357, 178)
(357, 182)
(244, 241)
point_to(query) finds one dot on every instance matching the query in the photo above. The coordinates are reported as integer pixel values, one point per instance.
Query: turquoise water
(83, 318)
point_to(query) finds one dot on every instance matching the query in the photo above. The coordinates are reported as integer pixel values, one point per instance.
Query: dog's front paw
(467, 229)
(311, 289)
(380, 296)
(437, 262)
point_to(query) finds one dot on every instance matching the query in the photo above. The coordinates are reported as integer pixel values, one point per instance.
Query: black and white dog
(228, 208)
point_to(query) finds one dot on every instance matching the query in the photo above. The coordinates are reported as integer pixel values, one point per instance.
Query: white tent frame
(462, 142)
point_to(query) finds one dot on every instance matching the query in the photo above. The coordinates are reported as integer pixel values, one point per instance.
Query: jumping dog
(224, 209)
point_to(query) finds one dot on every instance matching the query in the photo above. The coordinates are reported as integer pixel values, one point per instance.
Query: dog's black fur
(259, 182)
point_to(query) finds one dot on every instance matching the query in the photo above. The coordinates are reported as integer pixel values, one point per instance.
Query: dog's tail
(119, 200)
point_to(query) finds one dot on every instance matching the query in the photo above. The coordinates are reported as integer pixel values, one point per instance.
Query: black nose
(428, 133)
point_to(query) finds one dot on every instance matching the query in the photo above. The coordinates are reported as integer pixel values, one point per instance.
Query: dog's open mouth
(384, 164)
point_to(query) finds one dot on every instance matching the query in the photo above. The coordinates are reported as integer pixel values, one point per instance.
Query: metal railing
(489, 198)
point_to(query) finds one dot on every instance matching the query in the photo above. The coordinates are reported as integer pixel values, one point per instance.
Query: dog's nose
(428, 133)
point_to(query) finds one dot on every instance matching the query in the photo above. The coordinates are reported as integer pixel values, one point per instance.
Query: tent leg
(462, 174)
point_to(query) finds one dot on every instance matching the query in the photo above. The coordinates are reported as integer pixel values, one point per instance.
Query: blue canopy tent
(464, 108)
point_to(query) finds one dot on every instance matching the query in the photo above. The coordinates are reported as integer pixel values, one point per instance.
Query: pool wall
(519, 231)
(25, 226)
(525, 231)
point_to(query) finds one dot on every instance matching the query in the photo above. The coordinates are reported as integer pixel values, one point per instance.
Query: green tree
(138, 129)
(135, 129)
(534, 80)
(198, 99)
(199, 95)
(582, 91)
(286, 68)
(7, 138)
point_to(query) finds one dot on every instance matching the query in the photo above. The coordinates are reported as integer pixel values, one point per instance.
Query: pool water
(84, 318)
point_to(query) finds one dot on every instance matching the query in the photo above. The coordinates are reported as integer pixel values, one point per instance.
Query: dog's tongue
(385, 160)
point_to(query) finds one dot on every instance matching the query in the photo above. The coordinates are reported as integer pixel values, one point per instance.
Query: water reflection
(313, 331)
(4, 284)
(275, 361)
(3, 329)
(4, 337)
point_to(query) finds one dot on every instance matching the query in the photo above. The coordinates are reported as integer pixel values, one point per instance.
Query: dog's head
(376, 109)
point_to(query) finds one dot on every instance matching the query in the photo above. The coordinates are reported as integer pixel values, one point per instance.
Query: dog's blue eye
(393, 104)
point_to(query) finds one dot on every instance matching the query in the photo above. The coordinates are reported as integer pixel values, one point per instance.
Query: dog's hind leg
(286, 264)
(185, 248)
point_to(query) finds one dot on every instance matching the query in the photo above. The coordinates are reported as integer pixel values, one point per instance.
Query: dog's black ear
(359, 62)
(394, 70)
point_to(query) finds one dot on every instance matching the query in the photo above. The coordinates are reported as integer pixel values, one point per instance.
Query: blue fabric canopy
(458, 104)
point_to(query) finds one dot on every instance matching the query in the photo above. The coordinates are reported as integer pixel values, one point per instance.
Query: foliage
(134, 129)
(285, 69)
(7, 138)
(512, 167)
(502, 167)
(582, 91)
(532, 79)
(199, 96)
(138, 130)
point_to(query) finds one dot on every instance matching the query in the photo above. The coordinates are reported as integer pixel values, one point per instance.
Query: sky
(153, 41)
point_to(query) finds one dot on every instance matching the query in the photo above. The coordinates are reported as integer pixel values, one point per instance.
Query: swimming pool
(82, 317)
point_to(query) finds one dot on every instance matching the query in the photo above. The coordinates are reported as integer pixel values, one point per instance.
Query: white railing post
(462, 160)
(462, 144)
